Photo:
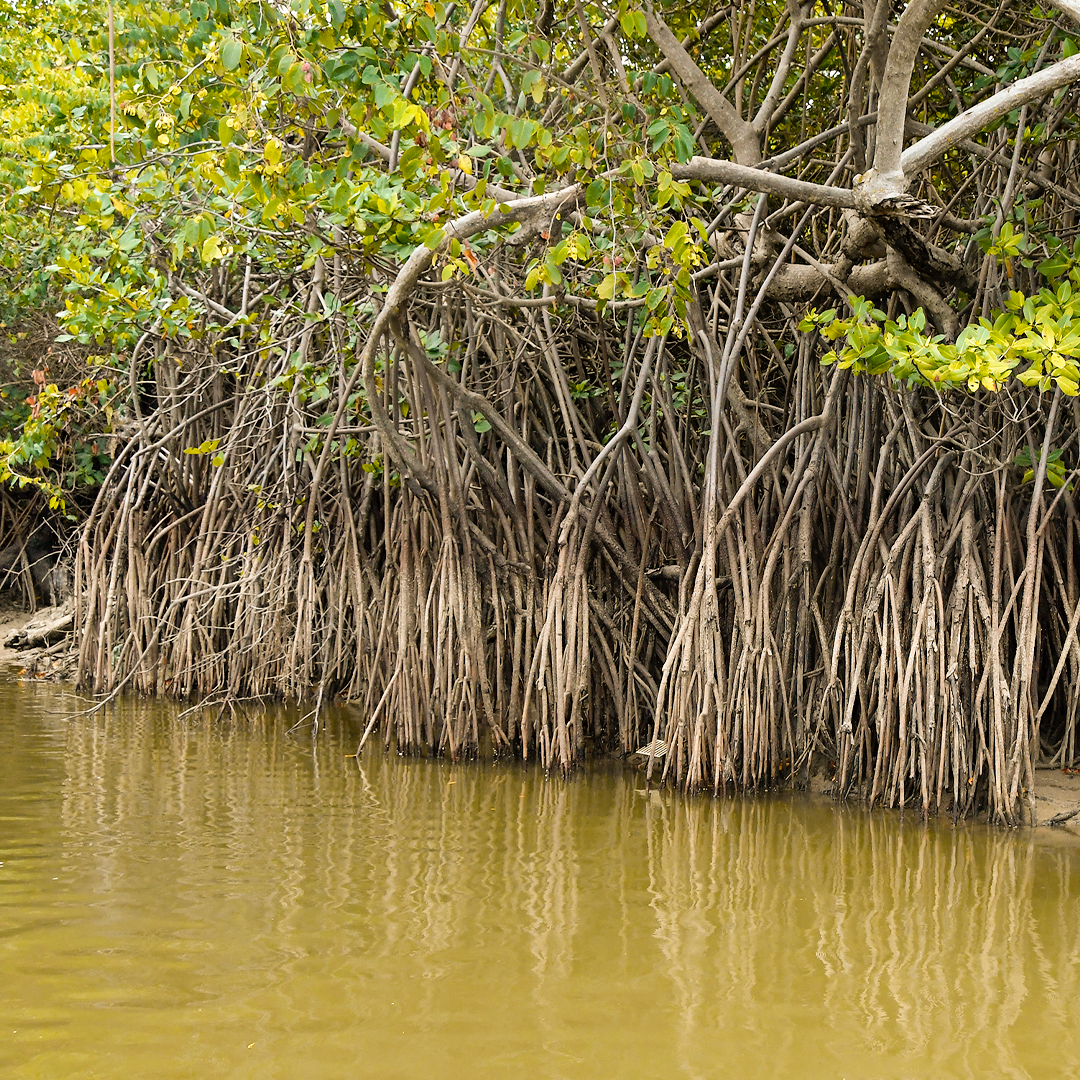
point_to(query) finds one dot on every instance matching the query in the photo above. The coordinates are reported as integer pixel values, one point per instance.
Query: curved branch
(414, 472)
(892, 111)
(811, 423)
(903, 275)
(530, 461)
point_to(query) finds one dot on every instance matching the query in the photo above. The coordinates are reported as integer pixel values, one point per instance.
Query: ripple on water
(193, 898)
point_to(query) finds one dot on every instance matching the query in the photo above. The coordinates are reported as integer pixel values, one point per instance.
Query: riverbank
(1057, 798)
(1057, 795)
(35, 643)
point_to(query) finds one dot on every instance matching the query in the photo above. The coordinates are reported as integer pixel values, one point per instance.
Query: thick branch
(716, 170)
(696, 34)
(892, 112)
(794, 284)
(1069, 7)
(927, 150)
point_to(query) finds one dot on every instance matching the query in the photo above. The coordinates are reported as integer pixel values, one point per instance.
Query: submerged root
(761, 564)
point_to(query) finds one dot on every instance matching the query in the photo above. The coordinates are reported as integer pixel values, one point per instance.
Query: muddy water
(193, 898)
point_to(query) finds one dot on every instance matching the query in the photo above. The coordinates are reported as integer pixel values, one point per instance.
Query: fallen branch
(41, 632)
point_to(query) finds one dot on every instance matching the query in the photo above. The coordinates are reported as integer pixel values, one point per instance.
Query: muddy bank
(36, 644)
(1057, 798)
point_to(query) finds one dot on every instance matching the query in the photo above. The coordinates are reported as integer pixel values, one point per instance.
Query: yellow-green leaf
(211, 249)
(207, 447)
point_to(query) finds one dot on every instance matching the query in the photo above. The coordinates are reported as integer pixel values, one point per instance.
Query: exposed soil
(43, 662)
(1057, 794)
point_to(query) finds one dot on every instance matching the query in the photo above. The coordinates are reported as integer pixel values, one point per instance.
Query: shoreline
(1057, 794)
(37, 661)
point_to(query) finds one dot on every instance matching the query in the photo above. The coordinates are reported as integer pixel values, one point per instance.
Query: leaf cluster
(1035, 339)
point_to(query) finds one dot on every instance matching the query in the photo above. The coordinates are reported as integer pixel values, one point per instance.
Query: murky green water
(201, 899)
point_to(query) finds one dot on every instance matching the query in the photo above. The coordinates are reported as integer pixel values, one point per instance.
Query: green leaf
(521, 131)
(293, 79)
(231, 52)
(596, 194)
(658, 131)
(677, 231)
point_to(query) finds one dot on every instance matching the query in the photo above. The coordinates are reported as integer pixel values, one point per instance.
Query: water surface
(214, 898)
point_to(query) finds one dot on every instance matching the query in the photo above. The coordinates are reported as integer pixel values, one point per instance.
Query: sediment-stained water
(214, 898)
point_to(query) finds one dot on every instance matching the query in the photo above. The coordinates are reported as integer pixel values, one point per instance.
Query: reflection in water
(956, 949)
(219, 899)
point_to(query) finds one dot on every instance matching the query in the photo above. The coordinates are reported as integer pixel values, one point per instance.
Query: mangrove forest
(554, 378)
